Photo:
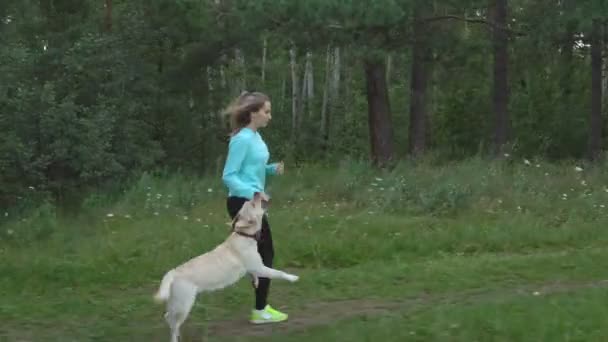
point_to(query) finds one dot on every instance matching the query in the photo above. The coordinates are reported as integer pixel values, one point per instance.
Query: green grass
(420, 253)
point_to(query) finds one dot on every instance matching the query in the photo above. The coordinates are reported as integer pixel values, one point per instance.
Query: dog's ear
(234, 221)
(239, 223)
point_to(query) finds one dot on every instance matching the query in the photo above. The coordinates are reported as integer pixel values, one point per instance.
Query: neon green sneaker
(267, 315)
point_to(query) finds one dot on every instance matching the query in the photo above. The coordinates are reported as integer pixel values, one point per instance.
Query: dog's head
(249, 218)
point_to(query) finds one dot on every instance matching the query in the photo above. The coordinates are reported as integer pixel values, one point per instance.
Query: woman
(244, 174)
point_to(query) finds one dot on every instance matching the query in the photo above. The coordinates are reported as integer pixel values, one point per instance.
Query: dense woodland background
(94, 93)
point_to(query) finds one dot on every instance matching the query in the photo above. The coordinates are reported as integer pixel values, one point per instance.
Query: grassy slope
(418, 232)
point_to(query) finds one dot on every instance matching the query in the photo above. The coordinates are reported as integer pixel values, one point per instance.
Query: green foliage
(85, 107)
(476, 235)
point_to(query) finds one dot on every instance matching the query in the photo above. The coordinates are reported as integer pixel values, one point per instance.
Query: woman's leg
(266, 250)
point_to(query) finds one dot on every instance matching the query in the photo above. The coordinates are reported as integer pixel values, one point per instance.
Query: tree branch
(474, 21)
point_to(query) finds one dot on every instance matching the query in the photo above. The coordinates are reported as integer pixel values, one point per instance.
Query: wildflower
(536, 293)
(537, 165)
(128, 216)
(110, 215)
(9, 231)
(507, 155)
(578, 169)
(527, 162)
(31, 188)
(156, 213)
(185, 218)
(378, 179)
(209, 190)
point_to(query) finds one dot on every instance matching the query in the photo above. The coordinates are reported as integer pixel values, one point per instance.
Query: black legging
(265, 249)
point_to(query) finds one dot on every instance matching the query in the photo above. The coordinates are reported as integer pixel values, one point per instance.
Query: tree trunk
(335, 79)
(324, 105)
(418, 102)
(567, 49)
(307, 84)
(389, 66)
(241, 83)
(501, 92)
(264, 51)
(348, 77)
(379, 113)
(108, 16)
(595, 122)
(294, 91)
(283, 96)
(310, 91)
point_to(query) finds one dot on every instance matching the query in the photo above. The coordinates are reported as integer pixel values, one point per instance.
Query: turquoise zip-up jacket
(247, 165)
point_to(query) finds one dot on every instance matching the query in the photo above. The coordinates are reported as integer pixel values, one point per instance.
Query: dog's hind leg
(183, 295)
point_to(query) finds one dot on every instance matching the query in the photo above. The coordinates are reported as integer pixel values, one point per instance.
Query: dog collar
(256, 236)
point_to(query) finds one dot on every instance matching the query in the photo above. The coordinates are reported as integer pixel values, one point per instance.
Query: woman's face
(262, 117)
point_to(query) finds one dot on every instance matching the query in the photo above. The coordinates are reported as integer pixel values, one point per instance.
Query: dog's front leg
(255, 266)
(255, 280)
(267, 272)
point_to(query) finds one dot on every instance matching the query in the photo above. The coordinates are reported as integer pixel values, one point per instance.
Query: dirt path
(319, 314)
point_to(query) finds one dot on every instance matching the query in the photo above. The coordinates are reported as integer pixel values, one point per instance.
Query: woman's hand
(280, 168)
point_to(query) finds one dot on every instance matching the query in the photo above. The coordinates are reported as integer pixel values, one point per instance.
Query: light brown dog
(218, 268)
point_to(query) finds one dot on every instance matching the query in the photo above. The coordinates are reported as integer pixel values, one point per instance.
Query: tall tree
(419, 80)
(501, 89)
(595, 122)
(379, 112)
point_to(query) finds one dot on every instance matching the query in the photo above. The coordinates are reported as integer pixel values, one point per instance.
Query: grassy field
(473, 251)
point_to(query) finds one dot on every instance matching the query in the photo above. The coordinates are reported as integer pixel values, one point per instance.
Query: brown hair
(241, 108)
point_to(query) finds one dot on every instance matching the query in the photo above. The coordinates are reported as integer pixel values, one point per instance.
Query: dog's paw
(292, 278)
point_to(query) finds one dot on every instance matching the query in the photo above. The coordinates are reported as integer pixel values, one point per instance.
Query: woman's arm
(274, 168)
(271, 169)
(237, 149)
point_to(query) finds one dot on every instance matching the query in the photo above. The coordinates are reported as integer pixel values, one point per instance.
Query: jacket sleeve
(271, 169)
(237, 149)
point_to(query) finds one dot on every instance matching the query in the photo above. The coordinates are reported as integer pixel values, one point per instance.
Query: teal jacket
(247, 164)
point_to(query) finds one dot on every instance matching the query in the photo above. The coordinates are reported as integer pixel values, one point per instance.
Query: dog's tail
(165, 287)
